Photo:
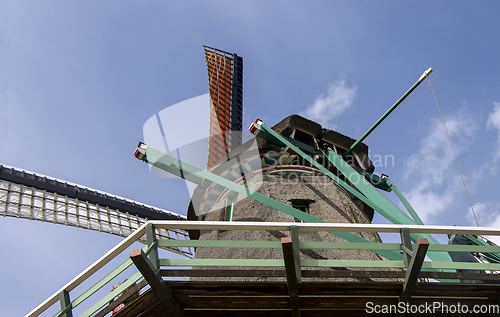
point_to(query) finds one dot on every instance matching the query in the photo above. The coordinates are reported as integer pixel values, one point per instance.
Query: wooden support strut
(413, 269)
(154, 280)
(292, 266)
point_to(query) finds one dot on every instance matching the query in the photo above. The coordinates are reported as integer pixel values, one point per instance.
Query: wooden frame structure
(302, 287)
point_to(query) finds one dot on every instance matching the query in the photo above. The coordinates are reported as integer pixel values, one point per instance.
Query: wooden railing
(150, 267)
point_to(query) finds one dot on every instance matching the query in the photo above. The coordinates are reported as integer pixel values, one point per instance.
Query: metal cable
(456, 160)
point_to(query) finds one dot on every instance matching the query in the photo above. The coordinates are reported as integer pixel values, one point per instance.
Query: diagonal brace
(413, 269)
(154, 280)
(293, 280)
(197, 176)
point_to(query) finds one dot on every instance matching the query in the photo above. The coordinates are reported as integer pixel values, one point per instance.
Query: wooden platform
(316, 298)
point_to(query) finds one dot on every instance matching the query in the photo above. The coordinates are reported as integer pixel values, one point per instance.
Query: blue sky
(79, 79)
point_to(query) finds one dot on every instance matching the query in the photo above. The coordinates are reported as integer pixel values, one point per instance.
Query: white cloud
(488, 215)
(494, 122)
(326, 108)
(433, 168)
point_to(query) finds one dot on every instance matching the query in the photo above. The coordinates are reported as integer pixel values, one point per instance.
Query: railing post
(65, 304)
(294, 234)
(151, 239)
(406, 245)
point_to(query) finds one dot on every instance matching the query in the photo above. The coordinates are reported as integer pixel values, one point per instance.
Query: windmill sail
(29, 195)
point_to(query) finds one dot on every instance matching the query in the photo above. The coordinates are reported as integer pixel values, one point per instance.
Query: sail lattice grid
(28, 202)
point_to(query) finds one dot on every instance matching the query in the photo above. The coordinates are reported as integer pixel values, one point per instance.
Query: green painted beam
(462, 266)
(105, 280)
(386, 207)
(370, 195)
(374, 179)
(367, 193)
(151, 240)
(463, 248)
(220, 244)
(222, 262)
(491, 257)
(281, 263)
(66, 307)
(350, 246)
(389, 210)
(405, 202)
(328, 263)
(321, 245)
(196, 175)
(388, 112)
(280, 139)
(406, 245)
(353, 263)
(106, 299)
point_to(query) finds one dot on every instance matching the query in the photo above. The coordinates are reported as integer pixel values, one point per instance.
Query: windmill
(236, 175)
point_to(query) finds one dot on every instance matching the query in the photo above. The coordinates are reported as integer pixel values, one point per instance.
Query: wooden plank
(239, 313)
(146, 268)
(330, 288)
(316, 299)
(235, 302)
(145, 302)
(325, 274)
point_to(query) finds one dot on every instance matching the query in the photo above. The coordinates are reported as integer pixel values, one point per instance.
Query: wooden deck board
(243, 299)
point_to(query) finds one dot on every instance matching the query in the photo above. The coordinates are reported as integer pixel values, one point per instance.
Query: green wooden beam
(367, 193)
(106, 299)
(280, 263)
(277, 139)
(153, 277)
(406, 245)
(151, 240)
(405, 202)
(105, 280)
(389, 210)
(292, 264)
(197, 175)
(66, 307)
(388, 112)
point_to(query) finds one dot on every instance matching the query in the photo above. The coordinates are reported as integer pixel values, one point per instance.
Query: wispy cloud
(488, 215)
(433, 167)
(327, 107)
(494, 122)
